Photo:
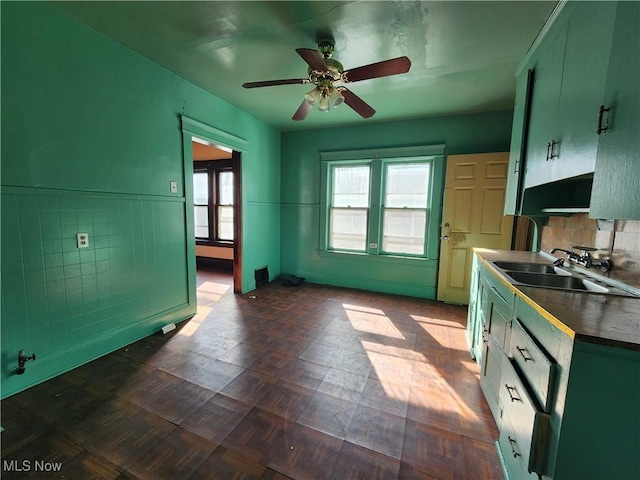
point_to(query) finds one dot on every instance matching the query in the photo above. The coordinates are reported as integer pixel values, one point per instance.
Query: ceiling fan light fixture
(324, 104)
(312, 96)
(335, 97)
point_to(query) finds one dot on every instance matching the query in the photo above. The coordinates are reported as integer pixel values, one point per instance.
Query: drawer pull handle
(524, 355)
(512, 442)
(509, 389)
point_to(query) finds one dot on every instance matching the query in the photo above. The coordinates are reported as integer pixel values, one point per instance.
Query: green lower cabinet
(473, 331)
(599, 436)
(525, 428)
(565, 408)
(496, 311)
(490, 376)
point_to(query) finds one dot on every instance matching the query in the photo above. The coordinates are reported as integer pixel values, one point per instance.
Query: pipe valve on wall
(22, 360)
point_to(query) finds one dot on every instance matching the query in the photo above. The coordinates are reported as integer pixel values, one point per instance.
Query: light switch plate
(83, 240)
(174, 187)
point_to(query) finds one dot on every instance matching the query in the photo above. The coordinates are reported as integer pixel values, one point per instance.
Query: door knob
(446, 237)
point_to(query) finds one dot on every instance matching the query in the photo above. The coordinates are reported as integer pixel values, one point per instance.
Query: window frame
(378, 159)
(426, 208)
(330, 206)
(213, 168)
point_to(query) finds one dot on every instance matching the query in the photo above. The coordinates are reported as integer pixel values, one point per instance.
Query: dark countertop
(590, 317)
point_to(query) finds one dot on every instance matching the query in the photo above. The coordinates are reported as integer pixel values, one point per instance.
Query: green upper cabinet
(577, 115)
(543, 126)
(616, 182)
(584, 75)
(570, 77)
(517, 152)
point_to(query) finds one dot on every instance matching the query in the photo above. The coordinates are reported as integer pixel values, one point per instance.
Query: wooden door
(472, 217)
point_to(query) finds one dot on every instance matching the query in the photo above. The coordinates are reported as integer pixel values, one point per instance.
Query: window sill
(215, 243)
(361, 256)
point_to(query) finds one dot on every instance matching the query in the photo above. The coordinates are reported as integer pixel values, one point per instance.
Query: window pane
(200, 188)
(201, 215)
(226, 188)
(225, 223)
(407, 185)
(348, 229)
(351, 186)
(403, 231)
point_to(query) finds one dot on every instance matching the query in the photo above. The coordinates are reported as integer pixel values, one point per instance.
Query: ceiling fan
(329, 77)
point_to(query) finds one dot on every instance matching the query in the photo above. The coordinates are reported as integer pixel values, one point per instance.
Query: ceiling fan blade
(313, 58)
(302, 112)
(385, 68)
(271, 83)
(360, 106)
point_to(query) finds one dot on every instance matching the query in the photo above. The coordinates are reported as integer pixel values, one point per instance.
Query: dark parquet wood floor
(307, 382)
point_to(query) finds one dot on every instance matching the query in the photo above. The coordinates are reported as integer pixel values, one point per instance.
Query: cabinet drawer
(546, 334)
(536, 365)
(498, 288)
(510, 449)
(525, 429)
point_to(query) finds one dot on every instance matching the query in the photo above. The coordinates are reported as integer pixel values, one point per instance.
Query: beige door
(472, 217)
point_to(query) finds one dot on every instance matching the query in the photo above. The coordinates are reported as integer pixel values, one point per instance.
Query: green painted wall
(91, 138)
(474, 133)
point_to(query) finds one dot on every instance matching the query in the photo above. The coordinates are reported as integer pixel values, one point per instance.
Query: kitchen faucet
(584, 258)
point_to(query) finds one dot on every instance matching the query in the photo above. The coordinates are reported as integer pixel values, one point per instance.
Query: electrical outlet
(373, 245)
(173, 186)
(82, 240)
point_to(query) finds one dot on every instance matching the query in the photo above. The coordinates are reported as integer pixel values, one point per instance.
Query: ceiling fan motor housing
(326, 46)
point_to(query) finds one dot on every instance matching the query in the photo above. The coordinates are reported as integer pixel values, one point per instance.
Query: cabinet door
(588, 44)
(474, 319)
(616, 181)
(490, 376)
(519, 134)
(543, 126)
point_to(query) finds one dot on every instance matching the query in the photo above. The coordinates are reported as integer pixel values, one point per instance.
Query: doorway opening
(217, 215)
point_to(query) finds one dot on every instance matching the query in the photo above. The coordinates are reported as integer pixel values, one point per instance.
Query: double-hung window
(349, 209)
(405, 207)
(380, 204)
(213, 202)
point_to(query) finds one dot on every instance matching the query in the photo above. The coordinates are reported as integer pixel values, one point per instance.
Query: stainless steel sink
(557, 281)
(526, 267)
(544, 275)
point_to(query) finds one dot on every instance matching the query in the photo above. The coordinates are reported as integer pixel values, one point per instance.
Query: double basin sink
(554, 277)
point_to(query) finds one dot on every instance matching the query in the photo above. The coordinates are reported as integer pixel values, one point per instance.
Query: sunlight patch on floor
(438, 321)
(442, 335)
(361, 308)
(373, 321)
(203, 312)
(393, 351)
(213, 287)
(396, 365)
(189, 329)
